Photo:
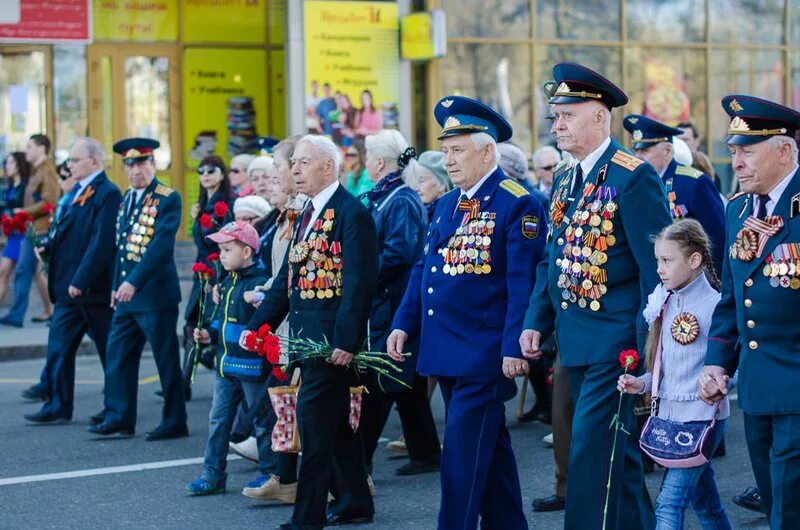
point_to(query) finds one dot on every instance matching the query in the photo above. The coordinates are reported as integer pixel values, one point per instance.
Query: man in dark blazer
(81, 254)
(326, 287)
(145, 296)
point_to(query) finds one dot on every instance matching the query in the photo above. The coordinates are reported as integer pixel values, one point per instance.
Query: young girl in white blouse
(687, 296)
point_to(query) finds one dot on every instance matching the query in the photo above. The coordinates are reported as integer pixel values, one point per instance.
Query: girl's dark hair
(224, 186)
(23, 166)
(371, 100)
(691, 238)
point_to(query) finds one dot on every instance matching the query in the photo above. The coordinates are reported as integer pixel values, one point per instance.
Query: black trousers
(333, 457)
(416, 418)
(69, 324)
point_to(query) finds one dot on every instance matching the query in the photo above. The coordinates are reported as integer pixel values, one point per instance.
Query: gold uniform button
(430, 290)
(430, 312)
(751, 324)
(748, 302)
(748, 282)
(753, 345)
(564, 305)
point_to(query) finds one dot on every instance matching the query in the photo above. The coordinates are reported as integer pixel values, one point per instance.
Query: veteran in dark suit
(760, 296)
(145, 297)
(591, 288)
(326, 287)
(80, 248)
(691, 193)
(485, 239)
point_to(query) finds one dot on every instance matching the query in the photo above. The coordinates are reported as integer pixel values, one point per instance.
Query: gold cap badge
(637, 135)
(452, 121)
(634, 120)
(563, 88)
(735, 107)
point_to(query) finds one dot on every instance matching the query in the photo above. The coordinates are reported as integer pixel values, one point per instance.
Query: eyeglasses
(350, 155)
(235, 170)
(207, 170)
(546, 168)
(247, 219)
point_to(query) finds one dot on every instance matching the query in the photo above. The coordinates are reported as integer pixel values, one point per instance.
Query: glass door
(134, 91)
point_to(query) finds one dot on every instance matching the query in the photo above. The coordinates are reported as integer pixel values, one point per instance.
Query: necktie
(762, 207)
(576, 182)
(67, 204)
(461, 199)
(304, 221)
(132, 202)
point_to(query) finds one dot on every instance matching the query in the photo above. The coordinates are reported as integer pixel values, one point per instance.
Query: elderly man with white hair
(327, 294)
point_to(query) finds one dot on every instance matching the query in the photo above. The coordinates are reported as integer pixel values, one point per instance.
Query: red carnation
(48, 208)
(251, 341)
(279, 373)
(206, 221)
(197, 267)
(629, 359)
(20, 221)
(214, 256)
(221, 209)
(264, 331)
(271, 349)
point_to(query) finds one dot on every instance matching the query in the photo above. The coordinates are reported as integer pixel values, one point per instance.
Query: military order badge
(685, 328)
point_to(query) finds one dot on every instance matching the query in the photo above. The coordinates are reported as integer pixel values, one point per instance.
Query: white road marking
(106, 470)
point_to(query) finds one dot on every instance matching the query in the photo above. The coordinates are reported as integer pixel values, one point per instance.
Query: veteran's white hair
(94, 148)
(775, 142)
(481, 139)
(325, 149)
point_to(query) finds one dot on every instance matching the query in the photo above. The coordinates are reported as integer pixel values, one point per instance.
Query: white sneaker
(273, 490)
(548, 440)
(247, 449)
(398, 446)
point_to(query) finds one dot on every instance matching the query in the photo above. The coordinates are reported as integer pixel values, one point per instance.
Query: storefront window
(69, 97)
(22, 98)
(498, 75)
(577, 19)
(147, 103)
(488, 18)
(606, 60)
(659, 21)
(747, 21)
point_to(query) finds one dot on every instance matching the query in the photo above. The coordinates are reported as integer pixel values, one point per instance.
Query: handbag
(286, 434)
(674, 443)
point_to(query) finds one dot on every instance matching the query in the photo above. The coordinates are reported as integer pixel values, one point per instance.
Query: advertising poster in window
(224, 106)
(352, 68)
(122, 20)
(45, 21)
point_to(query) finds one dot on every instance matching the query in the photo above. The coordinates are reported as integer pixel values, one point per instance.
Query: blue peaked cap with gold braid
(647, 132)
(461, 115)
(754, 120)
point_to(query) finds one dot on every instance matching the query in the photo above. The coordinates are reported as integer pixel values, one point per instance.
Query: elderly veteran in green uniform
(591, 287)
(760, 294)
(145, 296)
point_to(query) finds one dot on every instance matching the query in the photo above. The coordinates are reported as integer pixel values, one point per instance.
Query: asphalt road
(154, 498)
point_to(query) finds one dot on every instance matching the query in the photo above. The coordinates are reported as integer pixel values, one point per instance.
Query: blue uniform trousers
(479, 472)
(129, 332)
(69, 324)
(774, 445)
(595, 397)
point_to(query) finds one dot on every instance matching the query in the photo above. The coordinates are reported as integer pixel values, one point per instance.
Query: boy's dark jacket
(231, 319)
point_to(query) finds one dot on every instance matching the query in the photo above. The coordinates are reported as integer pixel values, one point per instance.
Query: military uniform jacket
(146, 249)
(327, 281)
(599, 265)
(467, 295)
(692, 193)
(758, 308)
(81, 246)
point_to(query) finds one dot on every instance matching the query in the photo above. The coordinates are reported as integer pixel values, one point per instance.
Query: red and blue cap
(135, 149)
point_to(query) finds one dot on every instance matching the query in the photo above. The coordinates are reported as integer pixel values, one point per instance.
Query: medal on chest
(752, 238)
(782, 267)
(318, 262)
(468, 251)
(685, 328)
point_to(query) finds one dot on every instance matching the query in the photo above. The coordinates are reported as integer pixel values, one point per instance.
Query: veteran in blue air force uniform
(691, 193)
(760, 297)
(145, 296)
(590, 290)
(465, 301)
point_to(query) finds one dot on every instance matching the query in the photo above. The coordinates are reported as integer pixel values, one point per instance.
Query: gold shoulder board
(513, 188)
(562, 166)
(629, 162)
(163, 190)
(736, 196)
(688, 171)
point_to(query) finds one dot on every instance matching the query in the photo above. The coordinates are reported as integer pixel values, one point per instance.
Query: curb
(39, 351)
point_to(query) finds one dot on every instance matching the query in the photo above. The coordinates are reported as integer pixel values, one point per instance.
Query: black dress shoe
(750, 499)
(338, 520)
(160, 433)
(553, 503)
(287, 526)
(97, 419)
(34, 393)
(107, 429)
(47, 418)
(187, 393)
(415, 467)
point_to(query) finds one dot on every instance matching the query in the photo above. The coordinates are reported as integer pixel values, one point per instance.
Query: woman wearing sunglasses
(213, 209)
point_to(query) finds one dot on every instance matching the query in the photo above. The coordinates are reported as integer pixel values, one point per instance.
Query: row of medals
(320, 277)
(142, 231)
(467, 251)
(784, 272)
(588, 237)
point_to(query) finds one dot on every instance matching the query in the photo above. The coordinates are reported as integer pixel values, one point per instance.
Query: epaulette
(629, 162)
(513, 188)
(163, 190)
(688, 171)
(561, 167)
(736, 196)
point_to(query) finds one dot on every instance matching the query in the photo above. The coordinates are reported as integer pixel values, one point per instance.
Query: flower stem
(616, 424)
